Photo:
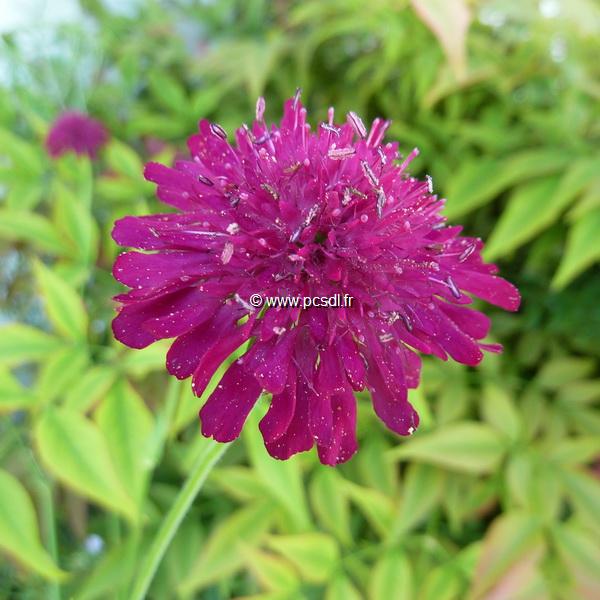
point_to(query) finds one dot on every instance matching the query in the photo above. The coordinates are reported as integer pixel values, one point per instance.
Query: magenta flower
(286, 212)
(76, 132)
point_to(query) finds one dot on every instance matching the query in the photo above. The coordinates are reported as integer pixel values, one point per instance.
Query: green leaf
(24, 195)
(139, 363)
(584, 492)
(26, 157)
(529, 210)
(272, 572)
(76, 172)
(442, 583)
(20, 225)
(583, 449)
(123, 160)
(127, 425)
(13, 396)
(477, 183)
(315, 555)
(206, 100)
(330, 503)
(19, 534)
(580, 392)
(377, 508)
(392, 577)
(112, 574)
(89, 388)
(468, 447)
(180, 556)
(532, 484)
(421, 491)
(77, 453)
(283, 479)
(75, 222)
(589, 201)
(510, 538)
(498, 409)
(63, 305)
(580, 174)
(168, 92)
(374, 472)
(341, 588)
(582, 249)
(21, 343)
(579, 551)
(222, 555)
(116, 189)
(163, 126)
(59, 372)
(241, 483)
(560, 371)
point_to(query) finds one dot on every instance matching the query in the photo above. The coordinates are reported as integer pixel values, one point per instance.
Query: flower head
(76, 132)
(290, 212)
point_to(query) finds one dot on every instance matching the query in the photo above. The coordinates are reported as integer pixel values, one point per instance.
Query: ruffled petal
(187, 350)
(281, 411)
(297, 437)
(226, 410)
(270, 361)
(343, 444)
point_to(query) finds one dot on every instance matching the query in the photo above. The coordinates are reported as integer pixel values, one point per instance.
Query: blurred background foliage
(497, 496)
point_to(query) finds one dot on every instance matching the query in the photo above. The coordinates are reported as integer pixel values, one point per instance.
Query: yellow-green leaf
(510, 537)
(222, 554)
(392, 577)
(20, 225)
(584, 492)
(75, 222)
(582, 249)
(341, 588)
(19, 535)
(13, 396)
(560, 371)
(59, 372)
(22, 343)
(127, 425)
(272, 572)
(123, 160)
(63, 305)
(283, 479)
(76, 452)
(377, 507)
(498, 409)
(315, 555)
(529, 210)
(330, 503)
(479, 182)
(421, 490)
(89, 388)
(579, 551)
(168, 92)
(468, 447)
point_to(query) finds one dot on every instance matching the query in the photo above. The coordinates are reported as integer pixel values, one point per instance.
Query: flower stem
(206, 460)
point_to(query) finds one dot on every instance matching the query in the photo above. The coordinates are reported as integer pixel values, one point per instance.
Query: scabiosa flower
(75, 132)
(287, 212)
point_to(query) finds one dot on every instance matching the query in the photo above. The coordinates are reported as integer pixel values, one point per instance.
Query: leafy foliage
(496, 495)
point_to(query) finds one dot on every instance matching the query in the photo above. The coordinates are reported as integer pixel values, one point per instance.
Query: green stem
(205, 462)
(49, 526)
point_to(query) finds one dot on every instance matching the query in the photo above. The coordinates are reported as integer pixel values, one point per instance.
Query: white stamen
(227, 253)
